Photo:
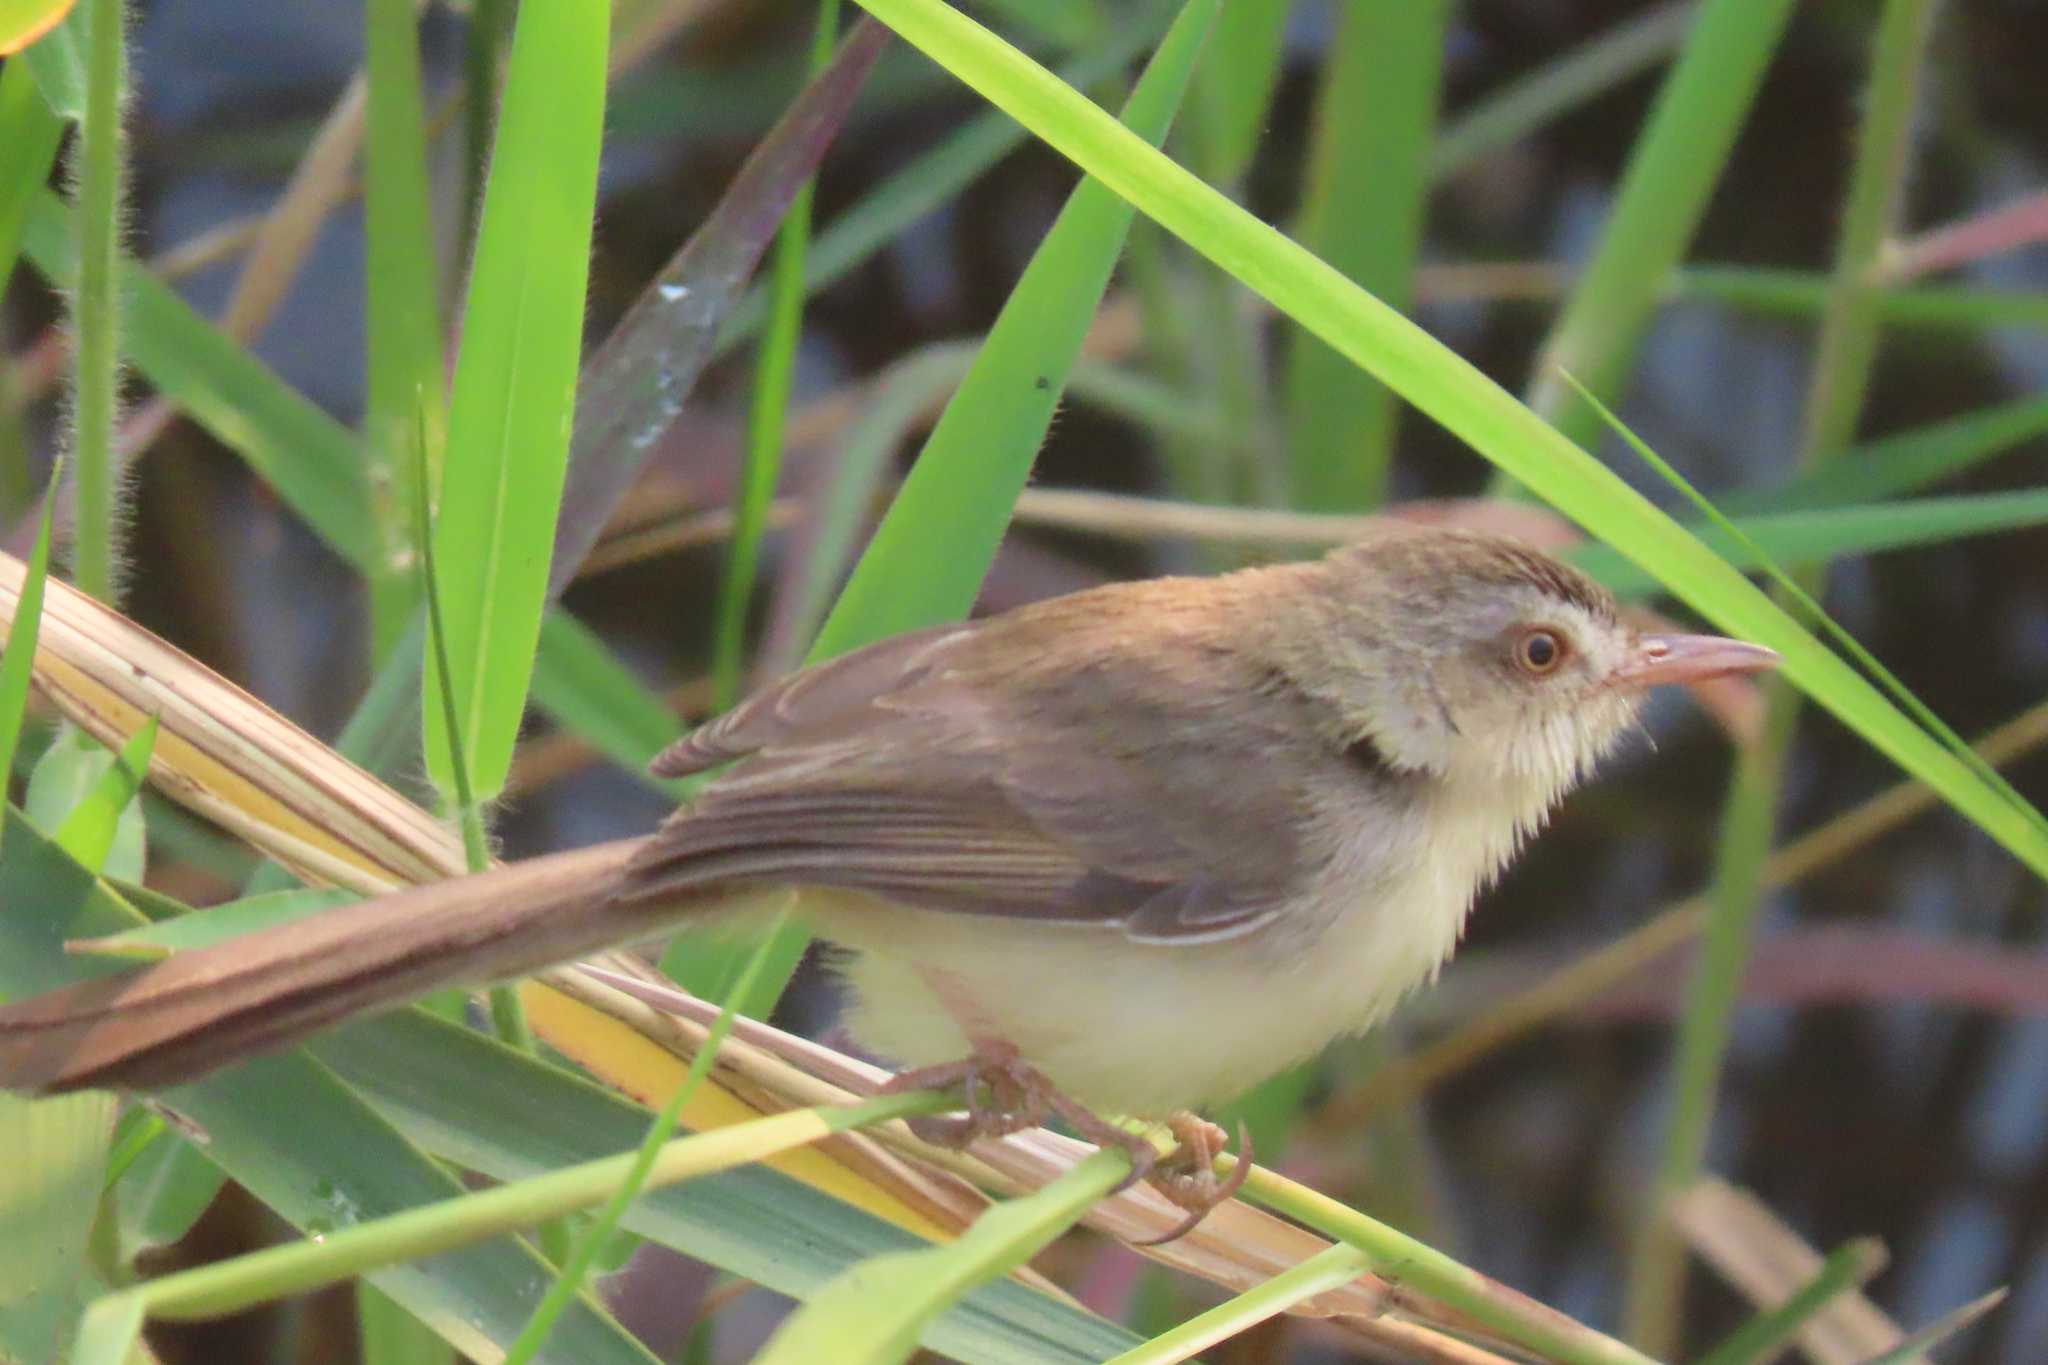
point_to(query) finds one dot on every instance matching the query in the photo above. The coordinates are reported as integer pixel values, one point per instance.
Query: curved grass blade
(1450, 390)
(1337, 1265)
(877, 1312)
(89, 828)
(514, 390)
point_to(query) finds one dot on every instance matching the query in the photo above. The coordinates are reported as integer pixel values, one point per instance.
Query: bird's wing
(933, 770)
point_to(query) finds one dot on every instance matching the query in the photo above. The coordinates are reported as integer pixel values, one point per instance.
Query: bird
(1130, 850)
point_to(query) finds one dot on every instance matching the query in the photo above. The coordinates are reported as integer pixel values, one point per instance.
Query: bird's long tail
(198, 1010)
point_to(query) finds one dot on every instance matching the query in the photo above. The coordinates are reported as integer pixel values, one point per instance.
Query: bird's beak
(1662, 659)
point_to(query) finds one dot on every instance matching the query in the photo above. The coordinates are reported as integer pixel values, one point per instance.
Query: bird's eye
(1539, 651)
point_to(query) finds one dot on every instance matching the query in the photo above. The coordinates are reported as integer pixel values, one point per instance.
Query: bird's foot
(1188, 1175)
(1004, 1094)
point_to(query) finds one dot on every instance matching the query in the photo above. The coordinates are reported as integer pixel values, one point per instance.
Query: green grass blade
(89, 828)
(927, 558)
(65, 776)
(1848, 1267)
(467, 1218)
(774, 376)
(1915, 1347)
(1233, 92)
(876, 1313)
(30, 130)
(391, 1336)
(162, 1192)
(401, 322)
(1328, 1269)
(17, 660)
(111, 1331)
(158, 939)
(97, 306)
(1673, 167)
(515, 381)
(1834, 404)
(1448, 389)
(313, 462)
(635, 1178)
(1801, 294)
(1828, 533)
(1906, 461)
(50, 1187)
(1368, 184)
(1599, 65)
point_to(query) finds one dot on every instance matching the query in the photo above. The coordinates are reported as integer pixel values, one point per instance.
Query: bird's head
(1476, 656)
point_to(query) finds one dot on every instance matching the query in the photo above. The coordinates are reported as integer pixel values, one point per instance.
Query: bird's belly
(1136, 1028)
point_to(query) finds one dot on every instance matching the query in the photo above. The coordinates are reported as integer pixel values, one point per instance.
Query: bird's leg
(1004, 1094)
(1188, 1175)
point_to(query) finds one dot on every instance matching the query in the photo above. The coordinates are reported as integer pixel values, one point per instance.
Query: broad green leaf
(290, 1133)
(162, 1195)
(49, 1188)
(392, 1336)
(485, 1107)
(514, 395)
(111, 1330)
(1453, 392)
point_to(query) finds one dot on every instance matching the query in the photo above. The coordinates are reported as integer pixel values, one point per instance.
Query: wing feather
(973, 769)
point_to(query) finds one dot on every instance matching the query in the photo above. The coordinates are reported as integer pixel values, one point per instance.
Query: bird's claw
(1003, 1094)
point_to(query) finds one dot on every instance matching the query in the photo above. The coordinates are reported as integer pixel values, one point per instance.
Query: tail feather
(184, 1017)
